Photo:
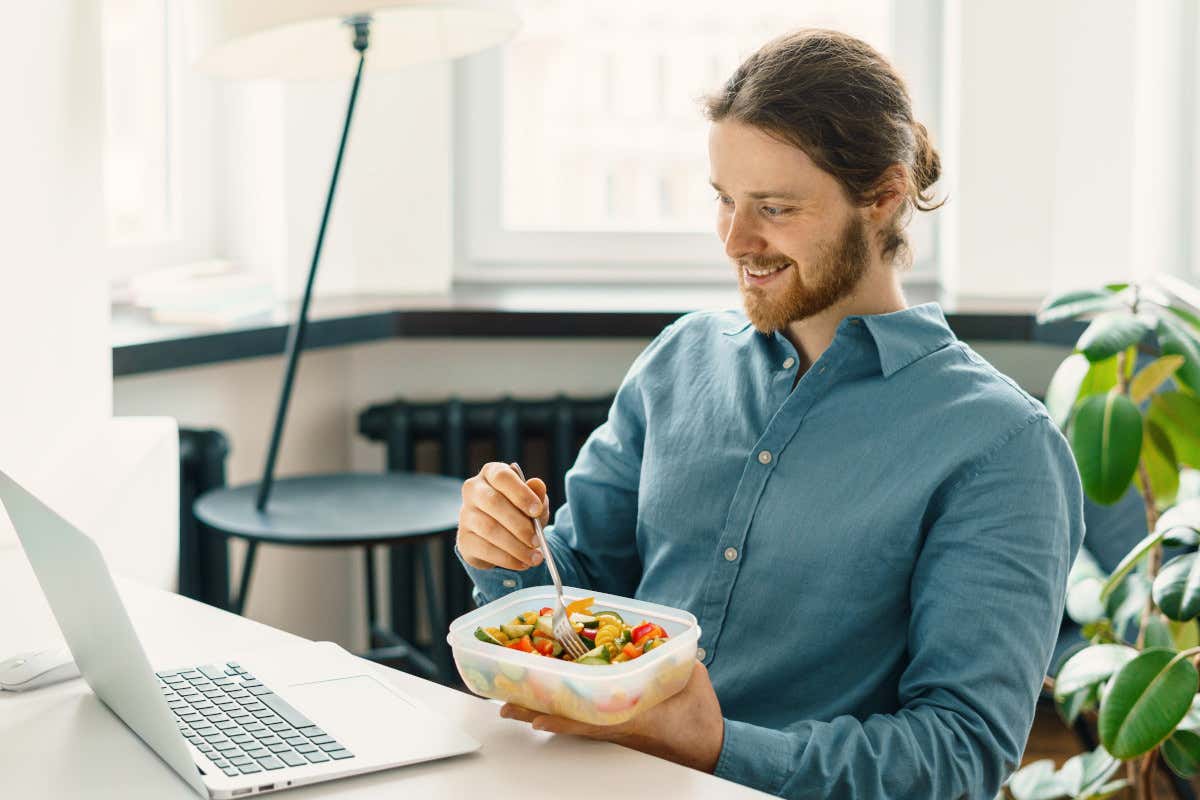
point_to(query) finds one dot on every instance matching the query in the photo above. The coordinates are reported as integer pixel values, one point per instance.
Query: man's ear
(890, 191)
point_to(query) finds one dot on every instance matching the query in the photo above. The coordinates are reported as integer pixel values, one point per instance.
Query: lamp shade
(298, 39)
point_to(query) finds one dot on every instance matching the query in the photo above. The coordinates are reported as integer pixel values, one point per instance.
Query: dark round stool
(350, 510)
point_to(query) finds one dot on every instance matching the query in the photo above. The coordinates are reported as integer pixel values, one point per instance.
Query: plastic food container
(598, 694)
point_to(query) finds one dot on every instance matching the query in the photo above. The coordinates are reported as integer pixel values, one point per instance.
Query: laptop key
(243, 738)
(329, 747)
(189, 674)
(219, 763)
(307, 748)
(261, 733)
(295, 740)
(267, 741)
(280, 747)
(338, 755)
(191, 716)
(227, 725)
(322, 739)
(238, 761)
(257, 752)
(212, 671)
(264, 712)
(316, 757)
(231, 772)
(293, 759)
(285, 710)
(225, 747)
(278, 726)
(269, 721)
(248, 769)
(270, 762)
(312, 731)
(207, 749)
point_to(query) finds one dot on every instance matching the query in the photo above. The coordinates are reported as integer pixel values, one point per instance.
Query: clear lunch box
(599, 694)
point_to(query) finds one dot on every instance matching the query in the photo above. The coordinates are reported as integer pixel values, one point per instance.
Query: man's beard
(837, 270)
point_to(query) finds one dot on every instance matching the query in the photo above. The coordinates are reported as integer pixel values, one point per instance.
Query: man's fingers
(553, 724)
(539, 486)
(491, 502)
(503, 478)
(488, 529)
(475, 547)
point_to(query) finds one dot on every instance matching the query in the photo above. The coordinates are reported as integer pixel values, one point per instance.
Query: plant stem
(1146, 789)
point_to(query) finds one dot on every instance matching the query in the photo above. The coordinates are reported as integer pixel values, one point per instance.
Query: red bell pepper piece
(589, 634)
(546, 611)
(645, 630)
(545, 647)
(523, 644)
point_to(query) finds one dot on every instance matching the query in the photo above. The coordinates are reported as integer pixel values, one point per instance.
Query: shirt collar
(901, 337)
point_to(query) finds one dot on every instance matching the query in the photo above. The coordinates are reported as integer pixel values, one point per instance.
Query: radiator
(456, 438)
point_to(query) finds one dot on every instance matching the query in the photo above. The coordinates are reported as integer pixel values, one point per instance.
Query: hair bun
(928, 166)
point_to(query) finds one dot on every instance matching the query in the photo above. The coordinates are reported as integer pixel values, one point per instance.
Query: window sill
(142, 345)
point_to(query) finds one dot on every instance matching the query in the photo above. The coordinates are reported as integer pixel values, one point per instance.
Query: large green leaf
(1177, 588)
(1187, 316)
(1072, 304)
(1151, 377)
(1111, 333)
(1101, 378)
(1090, 666)
(1072, 705)
(1084, 583)
(1106, 438)
(1158, 633)
(1146, 699)
(1184, 635)
(1177, 339)
(1064, 388)
(1182, 753)
(1178, 414)
(1158, 457)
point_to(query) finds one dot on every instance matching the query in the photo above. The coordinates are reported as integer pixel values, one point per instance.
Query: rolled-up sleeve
(987, 597)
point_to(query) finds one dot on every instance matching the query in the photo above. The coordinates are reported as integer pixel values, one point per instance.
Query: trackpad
(370, 719)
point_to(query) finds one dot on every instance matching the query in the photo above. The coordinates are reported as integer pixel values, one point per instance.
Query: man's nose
(742, 238)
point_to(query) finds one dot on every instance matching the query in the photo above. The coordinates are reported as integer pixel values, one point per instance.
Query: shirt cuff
(754, 756)
(491, 584)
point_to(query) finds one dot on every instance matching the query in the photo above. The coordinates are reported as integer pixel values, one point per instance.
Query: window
(582, 148)
(158, 140)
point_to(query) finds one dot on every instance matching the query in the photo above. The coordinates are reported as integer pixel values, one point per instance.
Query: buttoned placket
(762, 458)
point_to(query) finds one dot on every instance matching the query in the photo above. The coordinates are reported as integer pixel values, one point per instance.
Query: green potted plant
(1136, 677)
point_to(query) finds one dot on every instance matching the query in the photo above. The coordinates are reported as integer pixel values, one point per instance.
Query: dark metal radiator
(456, 438)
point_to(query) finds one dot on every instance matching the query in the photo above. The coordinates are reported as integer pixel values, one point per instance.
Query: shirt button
(764, 457)
(789, 362)
(731, 554)
(700, 654)
(509, 583)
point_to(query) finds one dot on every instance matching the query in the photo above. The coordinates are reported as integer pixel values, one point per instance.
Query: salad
(613, 640)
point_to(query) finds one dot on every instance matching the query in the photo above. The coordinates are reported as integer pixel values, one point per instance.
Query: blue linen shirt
(877, 556)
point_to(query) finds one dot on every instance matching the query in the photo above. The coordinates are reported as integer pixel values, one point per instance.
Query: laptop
(232, 726)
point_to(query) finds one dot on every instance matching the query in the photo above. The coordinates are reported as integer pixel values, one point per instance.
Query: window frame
(485, 252)
(192, 171)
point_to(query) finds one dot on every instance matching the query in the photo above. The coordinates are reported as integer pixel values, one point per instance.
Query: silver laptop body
(317, 701)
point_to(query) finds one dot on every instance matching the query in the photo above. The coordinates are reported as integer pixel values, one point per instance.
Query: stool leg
(437, 615)
(372, 611)
(239, 603)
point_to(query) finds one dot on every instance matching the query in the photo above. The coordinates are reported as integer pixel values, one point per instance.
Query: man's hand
(687, 728)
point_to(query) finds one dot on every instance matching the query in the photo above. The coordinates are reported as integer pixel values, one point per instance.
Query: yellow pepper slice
(580, 606)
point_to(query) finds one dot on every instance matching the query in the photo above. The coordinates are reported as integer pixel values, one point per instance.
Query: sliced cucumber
(484, 636)
(516, 631)
(586, 620)
(612, 614)
(653, 643)
(546, 625)
(597, 655)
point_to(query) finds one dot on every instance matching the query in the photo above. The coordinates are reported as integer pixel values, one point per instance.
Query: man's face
(798, 244)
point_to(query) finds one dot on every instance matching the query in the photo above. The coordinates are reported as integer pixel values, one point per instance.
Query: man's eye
(724, 200)
(772, 211)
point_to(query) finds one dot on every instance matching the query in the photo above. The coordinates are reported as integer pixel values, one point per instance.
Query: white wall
(115, 479)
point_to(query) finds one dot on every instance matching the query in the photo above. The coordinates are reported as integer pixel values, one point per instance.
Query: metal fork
(571, 641)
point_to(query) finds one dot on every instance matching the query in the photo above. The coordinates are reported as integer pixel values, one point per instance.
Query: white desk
(61, 742)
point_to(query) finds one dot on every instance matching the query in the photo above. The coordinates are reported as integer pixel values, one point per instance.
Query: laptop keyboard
(240, 725)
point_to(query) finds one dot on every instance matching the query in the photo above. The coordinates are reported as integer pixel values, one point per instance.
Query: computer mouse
(37, 668)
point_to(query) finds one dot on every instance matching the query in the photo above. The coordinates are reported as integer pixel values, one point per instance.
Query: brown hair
(837, 99)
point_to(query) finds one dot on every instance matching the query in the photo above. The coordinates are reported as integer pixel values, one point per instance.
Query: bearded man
(871, 523)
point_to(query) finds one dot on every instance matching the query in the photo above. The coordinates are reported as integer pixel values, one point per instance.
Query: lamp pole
(361, 25)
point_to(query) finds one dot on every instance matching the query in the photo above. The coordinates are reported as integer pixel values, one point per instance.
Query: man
(872, 525)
